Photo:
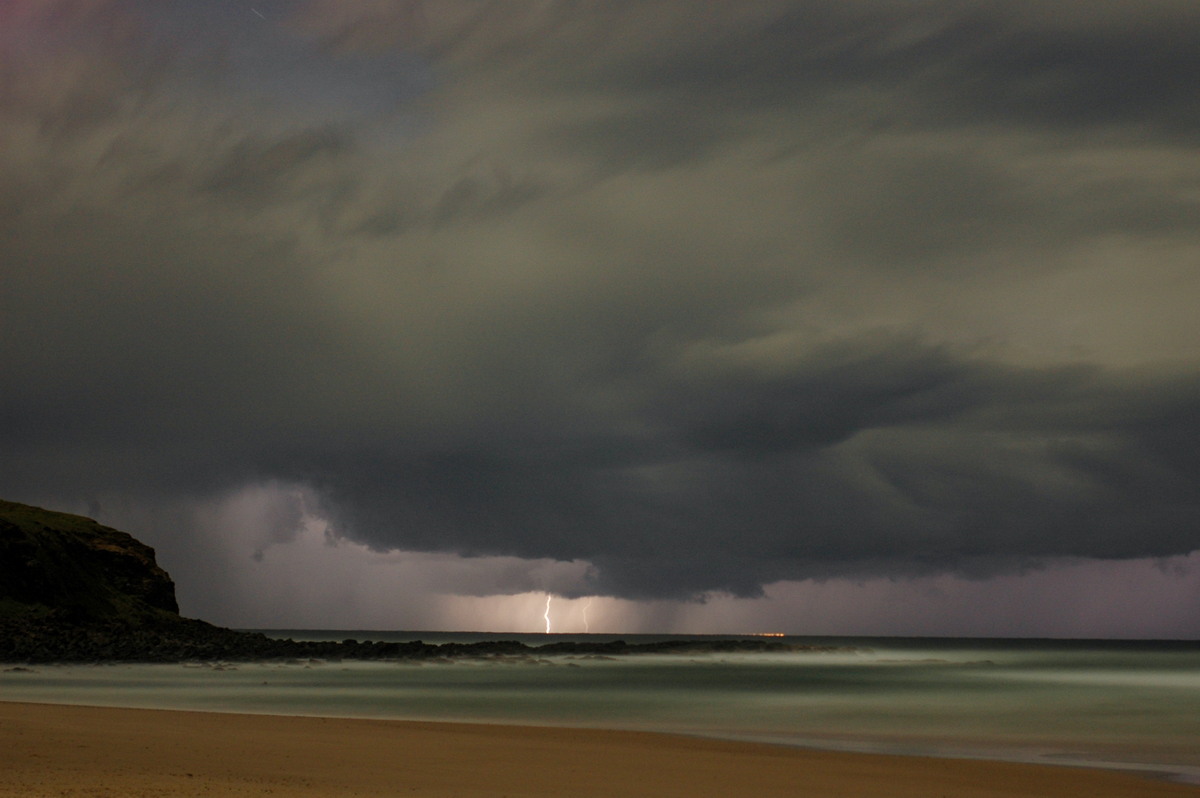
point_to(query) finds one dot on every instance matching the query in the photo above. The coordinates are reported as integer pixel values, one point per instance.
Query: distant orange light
(769, 634)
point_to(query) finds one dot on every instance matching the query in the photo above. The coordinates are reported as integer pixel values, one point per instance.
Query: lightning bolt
(586, 627)
(546, 614)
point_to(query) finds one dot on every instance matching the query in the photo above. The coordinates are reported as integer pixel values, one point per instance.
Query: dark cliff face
(74, 568)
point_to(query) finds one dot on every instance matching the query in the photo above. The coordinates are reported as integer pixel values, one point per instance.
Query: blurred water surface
(1129, 704)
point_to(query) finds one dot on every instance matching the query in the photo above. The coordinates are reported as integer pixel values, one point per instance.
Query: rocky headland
(73, 590)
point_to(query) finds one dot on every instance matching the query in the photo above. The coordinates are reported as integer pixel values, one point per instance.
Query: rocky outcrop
(72, 589)
(191, 640)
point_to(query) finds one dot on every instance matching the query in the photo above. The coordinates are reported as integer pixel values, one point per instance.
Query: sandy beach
(51, 750)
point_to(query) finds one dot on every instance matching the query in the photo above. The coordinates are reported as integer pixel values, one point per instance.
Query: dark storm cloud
(706, 300)
(877, 67)
(957, 63)
(867, 458)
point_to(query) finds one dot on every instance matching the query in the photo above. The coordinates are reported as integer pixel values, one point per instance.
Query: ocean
(1126, 704)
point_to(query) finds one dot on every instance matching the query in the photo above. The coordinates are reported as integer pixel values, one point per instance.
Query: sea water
(1134, 705)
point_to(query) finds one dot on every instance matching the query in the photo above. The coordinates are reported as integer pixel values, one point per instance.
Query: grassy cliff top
(69, 566)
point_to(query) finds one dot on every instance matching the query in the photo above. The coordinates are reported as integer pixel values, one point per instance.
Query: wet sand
(51, 750)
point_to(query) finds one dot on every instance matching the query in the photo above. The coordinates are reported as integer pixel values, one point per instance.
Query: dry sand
(49, 750)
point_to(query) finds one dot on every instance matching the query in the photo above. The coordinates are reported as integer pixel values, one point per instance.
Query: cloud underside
(705, 300)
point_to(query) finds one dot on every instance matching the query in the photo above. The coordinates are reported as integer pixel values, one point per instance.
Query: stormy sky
(743, 315)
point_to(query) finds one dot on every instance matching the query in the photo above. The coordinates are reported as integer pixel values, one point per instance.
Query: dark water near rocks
(1132, 704)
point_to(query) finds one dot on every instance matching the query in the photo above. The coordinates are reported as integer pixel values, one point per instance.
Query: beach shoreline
(64, 750)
